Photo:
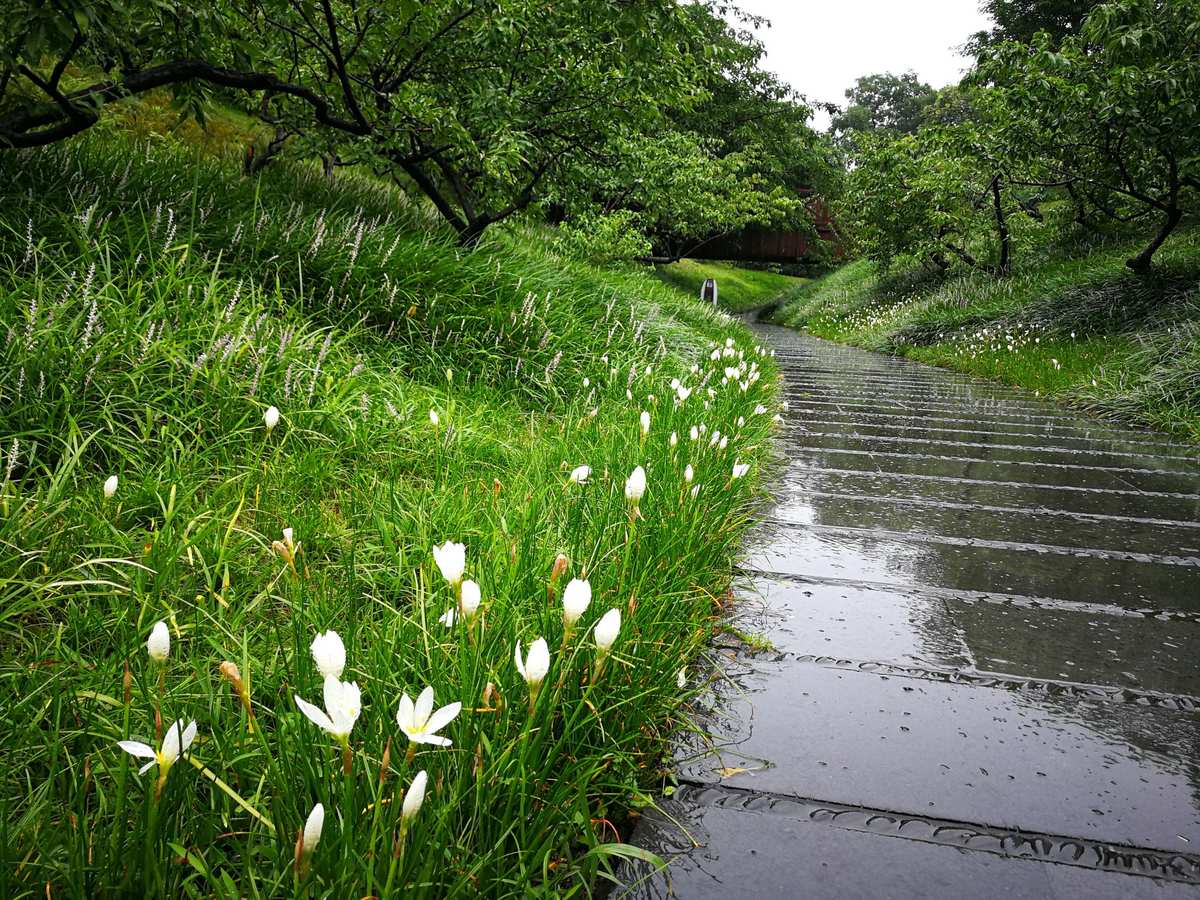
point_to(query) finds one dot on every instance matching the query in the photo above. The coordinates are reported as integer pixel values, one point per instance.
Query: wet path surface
(985, 673)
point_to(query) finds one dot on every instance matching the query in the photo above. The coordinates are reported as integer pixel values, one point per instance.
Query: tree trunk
(1141, 262)
(1002, 264)
(470, 235)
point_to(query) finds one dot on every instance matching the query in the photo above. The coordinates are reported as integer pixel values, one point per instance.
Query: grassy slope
(737, 289)
(156, 304)
(1080, 328)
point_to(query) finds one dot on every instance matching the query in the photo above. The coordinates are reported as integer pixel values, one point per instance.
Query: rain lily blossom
(605, 633)
(110, 486)
(287, 548)
(159, 644)
(607, 629)
(311, 836)
(635, 486)
(343, 703)
(471, 596)
(451, 559)
(414, 797)
(175, 744)
(434, 418)
(420, 723)
(534, 667)
(645, 420)
(580, 474)
(468, 605)
(689, 473)
(271, 417)
(576, 597)
(740, 469)
(329, 653)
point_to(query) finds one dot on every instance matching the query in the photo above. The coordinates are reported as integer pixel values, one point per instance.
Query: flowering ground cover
(1076, 326)
(336, 560)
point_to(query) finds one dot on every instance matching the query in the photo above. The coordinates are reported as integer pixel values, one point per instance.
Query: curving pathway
(985, 681)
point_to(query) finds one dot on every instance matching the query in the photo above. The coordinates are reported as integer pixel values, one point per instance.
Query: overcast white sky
(820, 47)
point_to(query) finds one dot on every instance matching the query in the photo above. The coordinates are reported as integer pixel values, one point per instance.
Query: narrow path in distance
(985, 681)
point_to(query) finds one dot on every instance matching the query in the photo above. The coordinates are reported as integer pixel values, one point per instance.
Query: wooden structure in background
(755, 244)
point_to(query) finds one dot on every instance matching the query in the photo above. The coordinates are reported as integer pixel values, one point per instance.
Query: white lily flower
(580, 474)
(681, 679)
(607, 629)
(759, 410)
(673, 440)
(471, 598)
(587, 382)
(329, 653)
(575, 599)
(175, 743)
(271, 417)
(535, 665)
(449, 617)
(635, 485)
(695, 490)
(740, 469)
(414, 797)
(110, 486)
(741, 421)
(451, 559)
(159, 643)
(724, 442)
(683, 392)
(694, 433)
(420, 723)
(343, 703)
(312, 829)
(689, 473)
(434, 418)
(675, 384)
(645, 420)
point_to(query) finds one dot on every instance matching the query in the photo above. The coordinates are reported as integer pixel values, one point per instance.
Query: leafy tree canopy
(884, 102)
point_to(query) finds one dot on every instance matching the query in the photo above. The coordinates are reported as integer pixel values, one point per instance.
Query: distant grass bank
(248, 409)
(1082, 329)
(738, 289)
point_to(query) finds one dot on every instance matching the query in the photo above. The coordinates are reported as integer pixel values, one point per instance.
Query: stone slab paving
(984, 678)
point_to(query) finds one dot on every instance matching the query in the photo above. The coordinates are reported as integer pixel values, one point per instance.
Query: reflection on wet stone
(984, 615)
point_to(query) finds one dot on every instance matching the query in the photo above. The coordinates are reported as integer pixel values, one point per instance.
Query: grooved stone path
(985, 675)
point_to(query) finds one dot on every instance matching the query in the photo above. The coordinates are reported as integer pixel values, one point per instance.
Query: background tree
(884, 102)
(1111, 116)
(1022, 20)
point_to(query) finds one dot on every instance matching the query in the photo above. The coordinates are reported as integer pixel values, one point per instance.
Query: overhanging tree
(1112, 116)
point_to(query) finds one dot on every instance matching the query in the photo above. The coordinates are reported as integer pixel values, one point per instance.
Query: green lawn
(738, 289)
(1081, 328)
(158, 306)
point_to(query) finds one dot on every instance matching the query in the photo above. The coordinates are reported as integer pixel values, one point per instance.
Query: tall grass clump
(300, 508)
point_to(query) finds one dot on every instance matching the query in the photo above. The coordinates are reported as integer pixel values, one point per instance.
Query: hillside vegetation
(1078, 326)
(738, 289)
(158, 306)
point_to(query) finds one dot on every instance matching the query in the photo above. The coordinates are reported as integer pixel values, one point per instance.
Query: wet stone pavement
(984, 679)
